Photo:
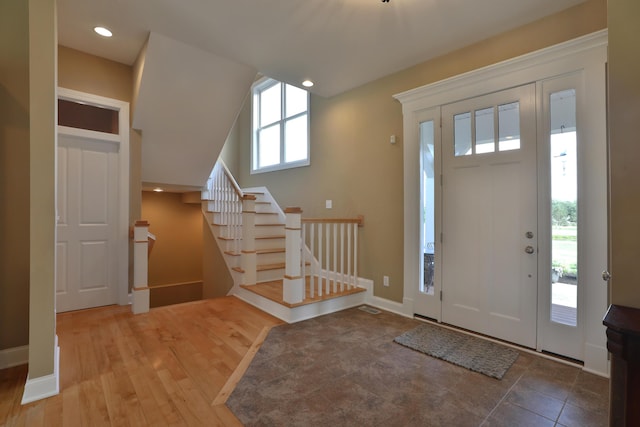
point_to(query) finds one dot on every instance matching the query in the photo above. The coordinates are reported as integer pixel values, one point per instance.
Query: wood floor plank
(164, 367)
(53, 411)
(94, 410)
(231, 383)
(11, 389)
(71, 406)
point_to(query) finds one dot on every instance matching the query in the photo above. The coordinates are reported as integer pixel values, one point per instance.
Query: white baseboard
(46, 386)
(596, 360)
(15, 356)
(387, 305)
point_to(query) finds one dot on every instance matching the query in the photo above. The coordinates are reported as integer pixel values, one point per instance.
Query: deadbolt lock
(529, 234)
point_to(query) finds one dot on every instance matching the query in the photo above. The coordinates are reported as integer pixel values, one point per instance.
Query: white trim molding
(14, 356)
(45, 386)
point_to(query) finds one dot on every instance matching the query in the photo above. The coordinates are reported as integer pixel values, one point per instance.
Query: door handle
(529, 249)
(606, 276)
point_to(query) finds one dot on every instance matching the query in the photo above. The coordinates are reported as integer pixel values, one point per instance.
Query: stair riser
(263, 208)
(267, 218)
(269, 230)
(269, 243)
(269, 275)
(271, 258)
(231, 246)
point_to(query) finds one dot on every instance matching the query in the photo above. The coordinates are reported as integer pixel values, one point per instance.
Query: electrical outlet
(328, 204)
(385, 280)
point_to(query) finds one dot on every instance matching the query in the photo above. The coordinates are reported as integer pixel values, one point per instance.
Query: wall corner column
(43, 378)
(293, 284)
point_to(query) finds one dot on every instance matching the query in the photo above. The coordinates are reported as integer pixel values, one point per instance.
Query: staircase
(249, 227)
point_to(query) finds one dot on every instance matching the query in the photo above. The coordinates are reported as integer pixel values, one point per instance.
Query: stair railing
(329, 246)
(226, 198)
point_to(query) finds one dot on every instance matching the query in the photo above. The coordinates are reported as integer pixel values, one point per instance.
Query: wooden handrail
(231, 179)
(358, 220)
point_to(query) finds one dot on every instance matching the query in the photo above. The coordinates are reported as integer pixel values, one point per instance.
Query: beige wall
(177, 253)
(42, 178)
(624, 150)
(91, 74)
(352, 162)
(14, 173)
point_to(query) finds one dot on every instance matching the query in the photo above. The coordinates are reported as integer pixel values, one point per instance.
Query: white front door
(485, 205)
(87, 235)
(489, 224)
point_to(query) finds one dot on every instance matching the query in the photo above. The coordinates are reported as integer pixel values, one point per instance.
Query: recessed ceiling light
(158, 190)
(307, 83)
(104, 32)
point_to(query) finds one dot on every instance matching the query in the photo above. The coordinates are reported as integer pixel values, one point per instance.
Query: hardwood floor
(175, 365)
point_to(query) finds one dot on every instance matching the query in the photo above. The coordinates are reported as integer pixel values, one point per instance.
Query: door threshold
(544, 354)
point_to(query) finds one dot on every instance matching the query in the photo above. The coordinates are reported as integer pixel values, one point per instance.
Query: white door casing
(93, 191)
(586, 54)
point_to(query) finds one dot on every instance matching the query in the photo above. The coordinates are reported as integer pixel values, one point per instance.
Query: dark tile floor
(344, 369)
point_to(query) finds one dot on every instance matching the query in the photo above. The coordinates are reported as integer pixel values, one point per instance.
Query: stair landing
(273, 291)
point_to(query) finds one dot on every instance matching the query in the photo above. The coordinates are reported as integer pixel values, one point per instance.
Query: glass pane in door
(428, 205)
(462, 134)
(564, 208)
(485, 133)
(509, 126)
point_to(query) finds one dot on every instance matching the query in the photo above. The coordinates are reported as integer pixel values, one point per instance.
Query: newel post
(248, 259)
(293, 285)
(140, 293)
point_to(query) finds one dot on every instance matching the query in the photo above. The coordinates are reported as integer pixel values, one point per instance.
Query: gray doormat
(464, 350)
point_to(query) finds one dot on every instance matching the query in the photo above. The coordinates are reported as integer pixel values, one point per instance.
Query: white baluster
(303, 266)
(342, 257)
(312, 278)
(355, 255)
(335, 257)
(349, 233)
(320, 290)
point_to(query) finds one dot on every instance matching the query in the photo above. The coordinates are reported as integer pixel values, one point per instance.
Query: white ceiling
(339, 44)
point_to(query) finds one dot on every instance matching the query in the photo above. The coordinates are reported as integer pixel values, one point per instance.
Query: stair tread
(270, 251)
(259, 251)
(266, 267)
(273, 236)
(272, 290)
(270, 224)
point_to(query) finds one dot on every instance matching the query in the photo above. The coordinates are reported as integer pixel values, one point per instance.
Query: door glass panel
(485, 133)
(462, 134)
(564, 209)
(428, 206)
(509, 126)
